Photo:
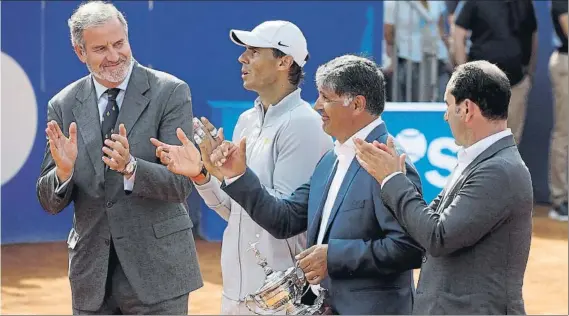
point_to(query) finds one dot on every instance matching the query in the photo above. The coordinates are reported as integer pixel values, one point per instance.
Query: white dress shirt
(413, 33)
(346, 152)
(465, 157)
(102, 100)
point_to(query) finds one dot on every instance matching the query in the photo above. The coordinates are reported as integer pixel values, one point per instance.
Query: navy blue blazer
(370, 256)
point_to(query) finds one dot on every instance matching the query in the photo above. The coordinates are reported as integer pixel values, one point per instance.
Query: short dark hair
(295, 72)
(484, 84)
(353, 75)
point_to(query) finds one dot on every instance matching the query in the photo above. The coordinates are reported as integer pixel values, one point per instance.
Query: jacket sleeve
(282, 218)
(475, 210)
(52, 196)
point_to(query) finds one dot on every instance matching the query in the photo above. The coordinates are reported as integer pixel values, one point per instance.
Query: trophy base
(319, 308)
(308, 310)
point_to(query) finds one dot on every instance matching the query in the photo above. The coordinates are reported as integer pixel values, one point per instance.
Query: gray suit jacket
(477, 238)
(150, 227)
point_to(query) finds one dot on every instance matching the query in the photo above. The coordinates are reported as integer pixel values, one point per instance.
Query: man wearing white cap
(285, 141)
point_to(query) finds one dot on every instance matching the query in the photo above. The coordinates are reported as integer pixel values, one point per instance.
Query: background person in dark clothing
(498, 34)
(451, 7)
(558, 67)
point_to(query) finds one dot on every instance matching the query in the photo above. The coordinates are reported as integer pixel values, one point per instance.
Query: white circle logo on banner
(19, 117)
(414, 143)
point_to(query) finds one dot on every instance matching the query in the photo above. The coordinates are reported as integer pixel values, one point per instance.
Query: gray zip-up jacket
(283, 147)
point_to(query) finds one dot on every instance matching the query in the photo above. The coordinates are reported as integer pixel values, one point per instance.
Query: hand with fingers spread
(183, 160)
(208, 144)
(117, 150)
(63, 149)
(379, 160)
(230, 159)
(314, 263)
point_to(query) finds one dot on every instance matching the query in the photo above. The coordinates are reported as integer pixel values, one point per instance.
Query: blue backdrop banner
(190, 39)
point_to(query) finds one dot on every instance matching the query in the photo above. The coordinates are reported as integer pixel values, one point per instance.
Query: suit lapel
(86, 115)
(134, 101)
(445, 189)
(317, 218)
(355, 166)
(350, 174)
(505, 142)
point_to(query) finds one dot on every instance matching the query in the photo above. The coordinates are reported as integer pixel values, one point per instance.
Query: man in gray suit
(477, 232)
(131, 249)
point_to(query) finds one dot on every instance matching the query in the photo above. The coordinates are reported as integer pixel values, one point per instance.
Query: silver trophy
(282, 291)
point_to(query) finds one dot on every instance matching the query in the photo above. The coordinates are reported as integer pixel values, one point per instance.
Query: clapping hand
(117, 150)
(183, 160)
(379, 160)
(230, 159)
(208, 144)
(63, 149)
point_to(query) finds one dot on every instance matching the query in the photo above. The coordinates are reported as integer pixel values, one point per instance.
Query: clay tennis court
(34, 276)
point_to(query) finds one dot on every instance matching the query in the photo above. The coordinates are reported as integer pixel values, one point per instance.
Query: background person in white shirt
(477, 232)
(414, 30)
(285, 142)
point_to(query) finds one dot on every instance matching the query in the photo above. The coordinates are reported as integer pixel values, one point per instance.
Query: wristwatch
(130, 167)
(201, 176)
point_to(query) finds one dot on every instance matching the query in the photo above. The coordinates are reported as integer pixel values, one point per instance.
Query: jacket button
(424, 259)
(107, 242)
(109, 204)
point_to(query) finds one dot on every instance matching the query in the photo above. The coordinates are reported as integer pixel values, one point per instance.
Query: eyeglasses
(346, 101)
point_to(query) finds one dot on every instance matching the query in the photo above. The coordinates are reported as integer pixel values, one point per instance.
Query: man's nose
(317, 105)
(113, 55)
(242, 59)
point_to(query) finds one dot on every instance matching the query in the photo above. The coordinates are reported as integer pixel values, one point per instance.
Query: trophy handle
(296, 266)
(308, 288)
(247, 300)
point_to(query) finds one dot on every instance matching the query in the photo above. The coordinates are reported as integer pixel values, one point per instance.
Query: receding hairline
(93, 14)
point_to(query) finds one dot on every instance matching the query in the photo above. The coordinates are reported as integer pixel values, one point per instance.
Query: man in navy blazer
(357, 251)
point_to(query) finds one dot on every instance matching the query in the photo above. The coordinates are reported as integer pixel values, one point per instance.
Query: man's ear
(359, 104)
(80, 52)
(285, 62)
(470, 109)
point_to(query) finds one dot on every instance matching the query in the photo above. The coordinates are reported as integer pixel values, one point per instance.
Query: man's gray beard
(117, 75)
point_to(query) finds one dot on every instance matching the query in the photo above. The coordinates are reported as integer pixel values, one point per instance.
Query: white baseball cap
(282, 35)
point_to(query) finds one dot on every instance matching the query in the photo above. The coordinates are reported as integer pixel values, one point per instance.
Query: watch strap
(201, 176)
(130, 165)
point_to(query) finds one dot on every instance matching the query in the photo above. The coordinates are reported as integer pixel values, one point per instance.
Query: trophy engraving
(281, 291)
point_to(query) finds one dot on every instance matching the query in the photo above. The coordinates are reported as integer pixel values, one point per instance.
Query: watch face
(129, 168)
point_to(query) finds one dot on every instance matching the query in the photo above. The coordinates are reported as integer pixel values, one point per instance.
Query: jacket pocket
(172, 225)
(352, 205)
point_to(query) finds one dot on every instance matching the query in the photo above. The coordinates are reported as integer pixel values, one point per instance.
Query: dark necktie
(111, 113)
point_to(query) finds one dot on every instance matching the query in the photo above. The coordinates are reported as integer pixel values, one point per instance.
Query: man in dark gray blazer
(477, 232)
(131, 248)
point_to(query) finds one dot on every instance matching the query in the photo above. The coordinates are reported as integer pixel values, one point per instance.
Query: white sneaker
(559, 213)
